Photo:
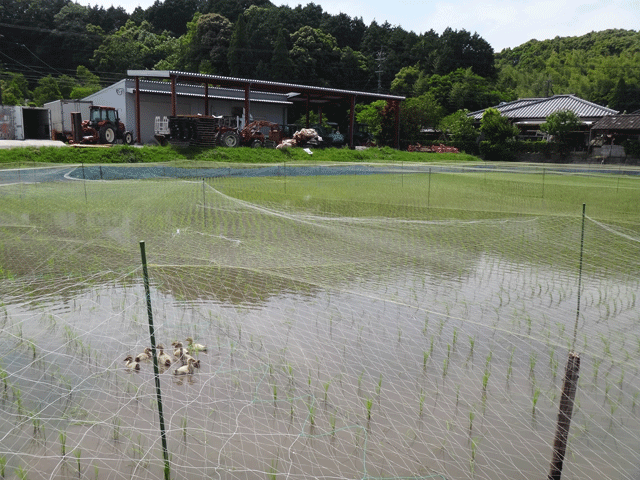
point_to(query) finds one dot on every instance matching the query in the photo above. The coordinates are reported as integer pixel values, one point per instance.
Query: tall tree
(171, 15)
(46, 91)
(281, 64)
(239, 54)
(460, 49)
(213, 34)
(347, 31)
(314, 54)
(131, 47)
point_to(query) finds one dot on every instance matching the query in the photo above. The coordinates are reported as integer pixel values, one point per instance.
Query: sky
(502, 23)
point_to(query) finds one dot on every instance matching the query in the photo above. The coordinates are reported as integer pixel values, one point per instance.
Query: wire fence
(411, 324)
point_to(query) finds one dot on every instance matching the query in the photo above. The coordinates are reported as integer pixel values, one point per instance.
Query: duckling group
(188, 363)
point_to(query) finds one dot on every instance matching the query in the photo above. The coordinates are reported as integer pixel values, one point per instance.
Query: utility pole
(380, 58)
(549, 87)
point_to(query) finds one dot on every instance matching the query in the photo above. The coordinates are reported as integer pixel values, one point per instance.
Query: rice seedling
(63, 443)
(445, 367)
(17, 400)
(472, 460)
(485, 381)
(533, 358)
(115, 432)
(183, 427)
(21, 473)
(379, 387)
(275, 393)
(77, 453)
(3, 466)
(425, 357)
(369, 405)
(272, 474)
(596, 367)
(534, 401)
(326, 386)
(472, 343)
(472, 416)
(421, 402)
(312, 414)
(38, 428)
(455, 338)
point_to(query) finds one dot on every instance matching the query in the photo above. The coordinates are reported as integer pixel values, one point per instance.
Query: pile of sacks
(302, 138)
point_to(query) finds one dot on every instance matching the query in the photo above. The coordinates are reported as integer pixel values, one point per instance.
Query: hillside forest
(54, 49)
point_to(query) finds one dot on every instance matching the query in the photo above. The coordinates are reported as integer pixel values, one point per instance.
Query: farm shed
(529, 113)
(617, 128)
(251, 92)
(24, 123)
(155, 99)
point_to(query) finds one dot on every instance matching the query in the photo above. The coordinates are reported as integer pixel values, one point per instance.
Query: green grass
(29, 156)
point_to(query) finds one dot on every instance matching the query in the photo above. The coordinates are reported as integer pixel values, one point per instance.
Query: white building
(155, 100)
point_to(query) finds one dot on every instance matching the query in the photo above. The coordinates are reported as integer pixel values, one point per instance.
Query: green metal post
(429, 190)
(156, 372)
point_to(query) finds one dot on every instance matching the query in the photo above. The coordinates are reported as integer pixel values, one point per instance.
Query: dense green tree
(561, 125)
(213, 34)
(231, 9)
(499, 136)
(281, 63)
(418, 113)
(425, 51)
(110, 19)
(239, 55)
(370, 115)
(314, 54)
(87, 83)
(347, 31)
(405, 80)
(15, 89)
(171, 15)
(460, 130)
(460, 49)
(462, 89)
(46, 91)
(352, 70)
(131, 47)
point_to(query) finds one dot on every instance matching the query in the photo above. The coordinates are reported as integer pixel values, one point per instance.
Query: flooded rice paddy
(338, 346)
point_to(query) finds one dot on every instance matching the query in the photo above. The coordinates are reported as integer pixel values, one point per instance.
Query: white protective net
(357, 326)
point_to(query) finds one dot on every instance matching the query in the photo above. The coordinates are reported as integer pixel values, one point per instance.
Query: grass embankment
(155, 154)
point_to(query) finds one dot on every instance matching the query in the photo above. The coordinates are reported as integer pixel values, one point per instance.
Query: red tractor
(104, 126)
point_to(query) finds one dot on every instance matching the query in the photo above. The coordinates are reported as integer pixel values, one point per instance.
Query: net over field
(396, 326)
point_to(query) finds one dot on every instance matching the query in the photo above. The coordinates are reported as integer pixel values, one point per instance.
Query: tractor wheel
(256, 143)
(107, 134)
(127, 138)
(230, 139)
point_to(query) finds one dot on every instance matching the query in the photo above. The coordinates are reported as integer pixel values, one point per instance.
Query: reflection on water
(365, 378)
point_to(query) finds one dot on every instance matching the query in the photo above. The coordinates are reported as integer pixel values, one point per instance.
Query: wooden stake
(564, 415)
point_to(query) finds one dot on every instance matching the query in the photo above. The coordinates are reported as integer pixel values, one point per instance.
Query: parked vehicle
(198, 130)
(103, 125)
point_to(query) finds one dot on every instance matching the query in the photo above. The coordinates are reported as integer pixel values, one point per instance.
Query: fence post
(156, 372)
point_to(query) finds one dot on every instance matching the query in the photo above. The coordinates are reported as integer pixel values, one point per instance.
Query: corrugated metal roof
(540, 108)
(262, 85)
(618, 122)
